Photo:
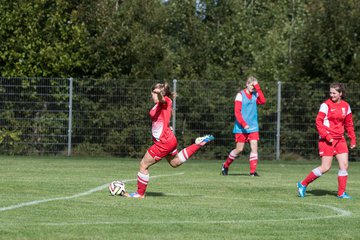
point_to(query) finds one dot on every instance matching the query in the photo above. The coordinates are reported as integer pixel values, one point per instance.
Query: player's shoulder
(238, 96)
(241, 92)
(344, 103)
(324, 107)
(167, 99)
(327, 102)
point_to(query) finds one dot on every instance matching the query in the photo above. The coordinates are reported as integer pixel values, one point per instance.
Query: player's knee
(143, 166)
(174, 165)
(325, 168)
(175, 162)
(237, 151)
(344, 167)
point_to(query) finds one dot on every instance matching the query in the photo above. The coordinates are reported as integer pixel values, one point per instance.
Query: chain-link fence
(110, 117)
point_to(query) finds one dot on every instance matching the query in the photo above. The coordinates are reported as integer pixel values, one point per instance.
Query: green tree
(41, 39)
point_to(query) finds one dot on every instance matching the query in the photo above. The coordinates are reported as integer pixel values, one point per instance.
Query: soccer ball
(117, 188)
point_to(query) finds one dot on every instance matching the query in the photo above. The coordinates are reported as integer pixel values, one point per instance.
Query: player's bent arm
(261, 97)
(161, 97)
(154, 111)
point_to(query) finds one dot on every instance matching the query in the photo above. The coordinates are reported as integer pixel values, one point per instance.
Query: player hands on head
(246, 128)
(334, 117)
(164, 140)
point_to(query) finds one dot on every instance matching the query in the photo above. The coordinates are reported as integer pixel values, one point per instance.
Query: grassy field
(67, 198)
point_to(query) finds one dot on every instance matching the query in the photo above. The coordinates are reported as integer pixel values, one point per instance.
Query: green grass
(190, 202)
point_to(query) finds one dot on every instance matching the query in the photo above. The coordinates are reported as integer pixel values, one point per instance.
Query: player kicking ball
(164, 140)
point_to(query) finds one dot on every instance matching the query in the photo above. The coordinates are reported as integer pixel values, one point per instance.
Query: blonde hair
(251, 79)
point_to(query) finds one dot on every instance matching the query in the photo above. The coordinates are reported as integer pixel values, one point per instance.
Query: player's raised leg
(189, 151)
(201, 141)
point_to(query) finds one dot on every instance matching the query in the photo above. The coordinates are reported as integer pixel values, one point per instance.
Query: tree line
(288, 40)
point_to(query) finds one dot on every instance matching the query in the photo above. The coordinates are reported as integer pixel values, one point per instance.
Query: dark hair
(165, 88)
(339, 88)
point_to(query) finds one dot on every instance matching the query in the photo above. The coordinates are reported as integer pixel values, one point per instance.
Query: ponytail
(165, 89)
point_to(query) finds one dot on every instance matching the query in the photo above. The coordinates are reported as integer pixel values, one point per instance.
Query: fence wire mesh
(110, 117)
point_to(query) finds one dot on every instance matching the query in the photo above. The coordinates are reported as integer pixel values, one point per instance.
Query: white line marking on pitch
(99, 188)
(341, 212)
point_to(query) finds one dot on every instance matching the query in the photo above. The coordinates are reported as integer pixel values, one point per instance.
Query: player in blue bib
(246, 128)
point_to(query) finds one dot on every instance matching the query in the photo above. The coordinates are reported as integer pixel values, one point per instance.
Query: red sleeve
(155, 111)
(238, 116)
(261, 98)
(349, 127)
(320, 126)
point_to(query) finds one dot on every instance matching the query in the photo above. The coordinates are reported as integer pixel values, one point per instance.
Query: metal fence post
(70, 115)
(278, 121)
(174, 107)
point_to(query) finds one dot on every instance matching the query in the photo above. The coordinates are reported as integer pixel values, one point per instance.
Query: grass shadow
(155, 194)
(321, 192)
(161, 194)
(238, 174)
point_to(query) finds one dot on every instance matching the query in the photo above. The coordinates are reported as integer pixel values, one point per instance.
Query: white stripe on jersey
(325, 109)
(157, 129)
(349, 111)
(238, 97)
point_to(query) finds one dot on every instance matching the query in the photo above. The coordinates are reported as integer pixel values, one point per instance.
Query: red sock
(253, 165)
(142, 183)
(342, 180)
(309, 179)
(230, 159)
(186, 153)
(253, 162)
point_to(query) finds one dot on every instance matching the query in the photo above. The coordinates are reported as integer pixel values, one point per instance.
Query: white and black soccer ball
(117, 188)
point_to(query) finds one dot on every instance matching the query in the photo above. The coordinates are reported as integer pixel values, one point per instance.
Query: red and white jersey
(333, 119)
(160, 116)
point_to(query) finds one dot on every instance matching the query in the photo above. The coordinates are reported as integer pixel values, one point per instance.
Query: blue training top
(249, 113)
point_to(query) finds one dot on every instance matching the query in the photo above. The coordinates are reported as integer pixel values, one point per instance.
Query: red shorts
(331, 149)
(161, 150)
(246, 137)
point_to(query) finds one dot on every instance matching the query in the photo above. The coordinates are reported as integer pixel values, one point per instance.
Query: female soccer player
(333, 118)
(165, 142)
(246, 127)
